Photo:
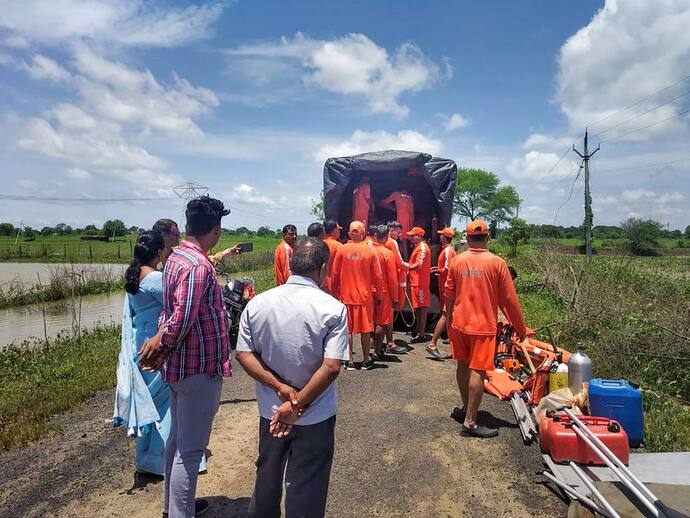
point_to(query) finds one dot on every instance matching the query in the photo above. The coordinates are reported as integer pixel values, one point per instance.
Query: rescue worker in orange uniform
(361, 201)
(419, 279)
(404, 208)
(355, 270)
(383, 313)
(441, 269)
(283, 253)
(478, 284)
(394, 246)
(332, 235)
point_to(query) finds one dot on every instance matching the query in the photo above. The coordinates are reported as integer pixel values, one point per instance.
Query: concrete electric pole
(588, 197)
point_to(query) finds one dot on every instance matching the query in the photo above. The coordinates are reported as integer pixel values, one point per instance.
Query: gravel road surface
(398, 453)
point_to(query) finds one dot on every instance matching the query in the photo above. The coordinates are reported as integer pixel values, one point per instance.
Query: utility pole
(588, 197)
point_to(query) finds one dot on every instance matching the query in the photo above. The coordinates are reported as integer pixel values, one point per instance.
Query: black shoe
(349, 366)
(420, 339)
(200, 507)
(479, 431)
(396, 349)
(367, 366)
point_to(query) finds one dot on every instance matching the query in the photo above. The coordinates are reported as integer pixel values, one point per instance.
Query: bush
(643, 235)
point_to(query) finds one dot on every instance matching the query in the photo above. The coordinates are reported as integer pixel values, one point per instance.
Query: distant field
(70, 249)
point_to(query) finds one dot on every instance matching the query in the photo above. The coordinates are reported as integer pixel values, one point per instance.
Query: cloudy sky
(128, 98)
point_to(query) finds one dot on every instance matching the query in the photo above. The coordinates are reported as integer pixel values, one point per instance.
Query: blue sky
(130, 98)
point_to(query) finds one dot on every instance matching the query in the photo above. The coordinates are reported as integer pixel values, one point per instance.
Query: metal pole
(588, 207)
(574, 493)
(593, 489)
(619, 464)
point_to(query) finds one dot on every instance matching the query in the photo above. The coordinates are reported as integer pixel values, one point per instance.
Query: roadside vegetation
(634, 318)
(37, 382)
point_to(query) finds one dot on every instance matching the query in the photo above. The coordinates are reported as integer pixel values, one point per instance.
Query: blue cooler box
(619, 400)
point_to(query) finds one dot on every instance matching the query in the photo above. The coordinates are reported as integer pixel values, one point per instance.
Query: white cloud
(42, 67)
(547, 143)
(122, 22)
(78, 174)
(352, 65)
(628, 51)
(454, 121)
(244, 193)
(363, 141)
(29, 185)
(635, 195)
(72, 117)
(535, 165)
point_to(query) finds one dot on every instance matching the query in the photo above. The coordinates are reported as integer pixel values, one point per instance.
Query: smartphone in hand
(246, 247)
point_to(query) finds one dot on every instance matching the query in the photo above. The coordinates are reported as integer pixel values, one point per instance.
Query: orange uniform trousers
(360, 318)
(475, 351)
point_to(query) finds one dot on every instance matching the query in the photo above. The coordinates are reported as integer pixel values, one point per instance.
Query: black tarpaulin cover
(433, 189)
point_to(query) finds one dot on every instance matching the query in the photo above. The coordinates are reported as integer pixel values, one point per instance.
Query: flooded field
(30, 272)
(27, 322)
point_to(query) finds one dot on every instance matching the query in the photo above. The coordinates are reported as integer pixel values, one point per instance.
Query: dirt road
(398, 453)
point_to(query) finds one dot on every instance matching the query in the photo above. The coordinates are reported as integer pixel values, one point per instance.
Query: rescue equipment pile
(578, 421)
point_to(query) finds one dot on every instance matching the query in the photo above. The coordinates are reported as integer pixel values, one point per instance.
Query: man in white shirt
(291, 341)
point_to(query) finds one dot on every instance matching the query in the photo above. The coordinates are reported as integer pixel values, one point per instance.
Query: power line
(572, 189)
(643, 113)
(22, 197)
(556, 164)
(640, 101)
(643, 166)
(645, 127)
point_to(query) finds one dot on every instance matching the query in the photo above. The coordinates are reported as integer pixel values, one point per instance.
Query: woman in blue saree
(142, 401)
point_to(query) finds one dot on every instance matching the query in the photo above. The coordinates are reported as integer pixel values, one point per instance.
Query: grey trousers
(193, 405)
(308, 453)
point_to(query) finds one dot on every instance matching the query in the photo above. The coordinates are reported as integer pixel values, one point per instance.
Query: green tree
(264, 231)
(478, 194)
(243, 231)
(317, 207)
(7, 229)
(90, 230)
(114, 228)
(519, 232)
(642, 235)
(29, 234)
(47, 231)
(687, 232)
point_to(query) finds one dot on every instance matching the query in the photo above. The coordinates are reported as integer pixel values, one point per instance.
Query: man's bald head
(309, 256)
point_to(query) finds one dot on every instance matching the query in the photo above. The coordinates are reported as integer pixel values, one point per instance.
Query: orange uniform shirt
(392, 245)
(355, 270)
(444, 259)
(281, 262)
(421, 276)
(361, 202)
(478, 284)
(389, 271)
(333, 245)
(404, 209)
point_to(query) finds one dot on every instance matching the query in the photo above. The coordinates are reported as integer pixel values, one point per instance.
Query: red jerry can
(557, 438)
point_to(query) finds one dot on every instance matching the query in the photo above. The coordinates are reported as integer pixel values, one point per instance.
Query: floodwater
(27, 323)
(61, 317)
(29, 272)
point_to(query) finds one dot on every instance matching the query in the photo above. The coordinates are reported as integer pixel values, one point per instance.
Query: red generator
(557, 438)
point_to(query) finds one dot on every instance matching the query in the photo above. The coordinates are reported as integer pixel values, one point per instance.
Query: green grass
(631, 314)
(70, 249)
(37, 383)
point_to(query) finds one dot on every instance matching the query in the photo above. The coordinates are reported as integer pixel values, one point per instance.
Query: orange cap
(448, 232)
(477, 228)
(416, 231)
(356, 227)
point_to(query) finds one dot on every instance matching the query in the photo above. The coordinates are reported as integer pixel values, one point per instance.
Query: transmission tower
(189, 191)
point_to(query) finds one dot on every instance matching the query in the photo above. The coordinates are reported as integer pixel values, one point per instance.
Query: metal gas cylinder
(579, 369)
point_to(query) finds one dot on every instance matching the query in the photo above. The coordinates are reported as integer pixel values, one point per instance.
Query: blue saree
(142, 399)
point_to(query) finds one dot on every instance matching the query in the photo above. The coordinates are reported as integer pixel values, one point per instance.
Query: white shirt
(293, 328)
